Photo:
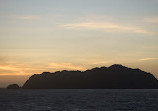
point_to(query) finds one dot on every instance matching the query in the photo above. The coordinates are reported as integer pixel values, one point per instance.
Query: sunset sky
(51, 35)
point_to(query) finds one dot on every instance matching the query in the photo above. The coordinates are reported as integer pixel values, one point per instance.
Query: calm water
(78, 100)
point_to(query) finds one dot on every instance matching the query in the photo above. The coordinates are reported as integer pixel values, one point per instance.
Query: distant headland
(113, 77)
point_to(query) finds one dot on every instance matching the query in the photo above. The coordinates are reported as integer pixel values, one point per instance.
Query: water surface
(79, 100)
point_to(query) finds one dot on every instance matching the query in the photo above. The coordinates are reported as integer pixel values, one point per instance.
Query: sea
(79, 100)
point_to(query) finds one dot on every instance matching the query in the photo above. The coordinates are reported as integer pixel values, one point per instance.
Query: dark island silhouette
(113, 77)
(13, 86)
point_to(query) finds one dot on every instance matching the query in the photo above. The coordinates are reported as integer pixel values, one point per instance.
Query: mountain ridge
(114, 77)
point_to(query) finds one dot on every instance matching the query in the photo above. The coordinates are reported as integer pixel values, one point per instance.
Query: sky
(51, 35)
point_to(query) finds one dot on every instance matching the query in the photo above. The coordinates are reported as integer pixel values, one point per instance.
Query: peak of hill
(117, 66)
(116, 76)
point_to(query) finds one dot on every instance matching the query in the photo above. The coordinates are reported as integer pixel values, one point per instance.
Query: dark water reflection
(79, 100)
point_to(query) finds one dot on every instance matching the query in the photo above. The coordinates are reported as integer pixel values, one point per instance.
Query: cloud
(12, 67)
(45, 17)
(151, 20)
(26, 17)
(146, 59)
(64, 66)
(17, 69)
(8, 68)
(105, 27)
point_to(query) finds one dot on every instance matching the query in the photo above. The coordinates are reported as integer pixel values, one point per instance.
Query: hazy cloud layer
(147, 59)
(106, 27)
(151, 19)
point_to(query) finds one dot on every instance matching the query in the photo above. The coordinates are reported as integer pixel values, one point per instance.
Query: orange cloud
(8, 68)
(13, 69)
(69, 66)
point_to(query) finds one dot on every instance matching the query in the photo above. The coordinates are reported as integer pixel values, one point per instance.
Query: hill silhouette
(113, 77)
(13, 86)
